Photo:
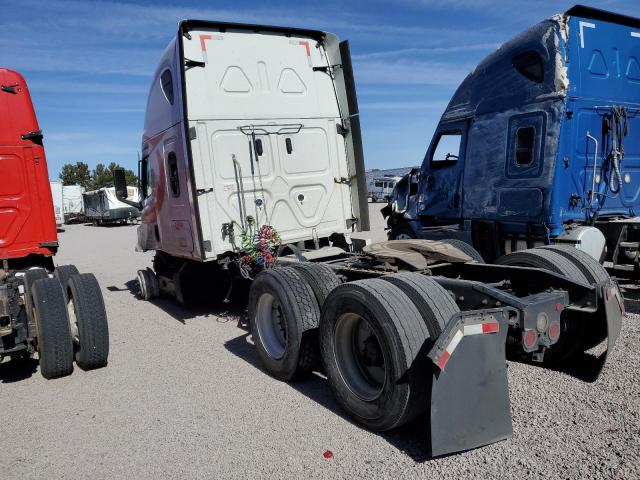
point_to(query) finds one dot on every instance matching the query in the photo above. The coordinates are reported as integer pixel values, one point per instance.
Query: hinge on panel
(201, 191)
(207, 245)
(343, 180)
(192, 133)
(327, 68)
(341, 129)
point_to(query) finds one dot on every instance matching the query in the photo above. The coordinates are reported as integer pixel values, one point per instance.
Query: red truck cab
(27, 222)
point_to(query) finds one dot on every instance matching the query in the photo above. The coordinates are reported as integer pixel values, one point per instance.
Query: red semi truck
(55, 312)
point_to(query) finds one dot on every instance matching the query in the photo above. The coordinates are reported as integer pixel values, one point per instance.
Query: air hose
(619, 130)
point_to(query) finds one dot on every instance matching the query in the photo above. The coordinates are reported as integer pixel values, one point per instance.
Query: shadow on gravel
(411, 439)
(224, 313)
(584, 366)
(17, 370)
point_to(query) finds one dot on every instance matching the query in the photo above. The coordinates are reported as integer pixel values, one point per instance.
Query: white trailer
(56, 194)
(102, 207)
(73, 204)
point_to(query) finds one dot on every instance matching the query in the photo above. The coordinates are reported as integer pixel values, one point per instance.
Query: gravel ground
(183, 396)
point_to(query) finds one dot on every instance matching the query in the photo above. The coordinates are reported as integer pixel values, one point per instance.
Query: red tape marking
(306, 46)
(204, 38)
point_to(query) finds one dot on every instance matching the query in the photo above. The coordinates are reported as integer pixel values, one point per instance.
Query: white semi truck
(252, 172)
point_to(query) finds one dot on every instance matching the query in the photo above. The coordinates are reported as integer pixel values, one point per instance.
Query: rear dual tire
(88, 320)
(374, 344)
(49, 312)
(283, 318)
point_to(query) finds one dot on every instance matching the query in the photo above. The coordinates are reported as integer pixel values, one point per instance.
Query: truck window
(166, 82)
(174, 180)
(525, 138)
(448, 147)
(378, 184)
(529, 64)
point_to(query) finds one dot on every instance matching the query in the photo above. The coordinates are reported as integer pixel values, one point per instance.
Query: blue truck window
(525, 145)
(530, 65)
(448, 147)
(166, 82)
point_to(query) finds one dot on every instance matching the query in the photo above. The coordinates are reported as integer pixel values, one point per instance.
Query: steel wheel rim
(359, 356)
(73, 322)
(271, 326)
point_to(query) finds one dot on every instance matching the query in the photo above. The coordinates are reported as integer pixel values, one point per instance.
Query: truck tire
(28, 280)
(573, 328)
(321, 278)
(55, 348)
(589, 266)
(63, 273)
(88, 320)
(434, 303)
(401, 231)
(547, 259)
(595, 273)
(283, 318)
(373, 343)
(465, 248)
(148, 285)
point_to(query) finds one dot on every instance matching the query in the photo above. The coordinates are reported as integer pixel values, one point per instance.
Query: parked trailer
(56, 196)
(102, 207)
(538, 146)
(73, 203)
(55, 312)
(252, 151)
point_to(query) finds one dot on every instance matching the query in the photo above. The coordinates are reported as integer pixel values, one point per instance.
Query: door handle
(289, 145)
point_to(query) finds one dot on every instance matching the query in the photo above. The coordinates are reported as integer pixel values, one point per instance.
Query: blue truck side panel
(523, 116)
(604, 72)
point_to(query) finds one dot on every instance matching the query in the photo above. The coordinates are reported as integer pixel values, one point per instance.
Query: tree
(100, 176)
(77, 174)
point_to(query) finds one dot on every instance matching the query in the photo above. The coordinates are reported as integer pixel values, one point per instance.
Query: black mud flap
(470, 394)
(614, 310)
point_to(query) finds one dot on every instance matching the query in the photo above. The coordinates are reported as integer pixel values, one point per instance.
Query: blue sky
(89, 63)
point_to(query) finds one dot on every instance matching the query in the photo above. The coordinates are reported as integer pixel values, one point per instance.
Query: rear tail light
(554, 331)
(529, 339)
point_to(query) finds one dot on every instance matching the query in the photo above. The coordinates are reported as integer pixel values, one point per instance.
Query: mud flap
(470, 393)
(613, 309)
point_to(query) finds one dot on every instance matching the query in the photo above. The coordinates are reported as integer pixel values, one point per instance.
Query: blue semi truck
(538, 146)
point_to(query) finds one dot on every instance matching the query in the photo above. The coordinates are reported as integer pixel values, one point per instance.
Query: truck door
(442, 172)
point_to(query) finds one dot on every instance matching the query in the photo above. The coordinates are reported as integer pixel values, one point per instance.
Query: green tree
(103, 175)
(100, 176)
(77, 174)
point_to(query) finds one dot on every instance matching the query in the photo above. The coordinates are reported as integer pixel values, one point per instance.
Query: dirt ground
(184, 396)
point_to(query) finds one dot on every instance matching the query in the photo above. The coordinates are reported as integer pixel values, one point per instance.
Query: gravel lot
(183, 396)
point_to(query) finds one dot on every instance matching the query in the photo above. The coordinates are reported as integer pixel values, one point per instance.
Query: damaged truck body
(252, 175)
(537, 146)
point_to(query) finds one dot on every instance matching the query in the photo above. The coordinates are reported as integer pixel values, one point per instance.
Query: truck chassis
(401, 328)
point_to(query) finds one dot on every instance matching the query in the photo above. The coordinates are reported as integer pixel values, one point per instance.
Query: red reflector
(327, 454)
(443, 360)
(558, 307)
(490, 327)
(529, 338)
(554, 331)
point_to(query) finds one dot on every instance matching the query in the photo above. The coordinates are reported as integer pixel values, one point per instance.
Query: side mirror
(120, 183)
